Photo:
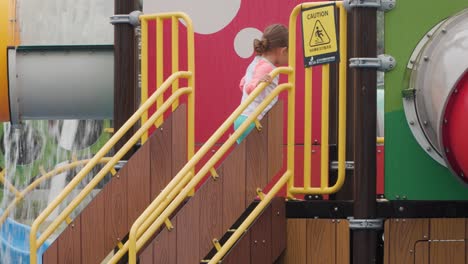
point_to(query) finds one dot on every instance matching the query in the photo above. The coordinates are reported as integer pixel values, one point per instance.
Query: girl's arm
(260, 74)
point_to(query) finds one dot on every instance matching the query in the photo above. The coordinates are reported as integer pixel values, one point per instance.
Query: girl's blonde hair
(274, 36)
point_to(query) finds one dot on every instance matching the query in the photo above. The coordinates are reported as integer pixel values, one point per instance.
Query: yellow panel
(4, 41)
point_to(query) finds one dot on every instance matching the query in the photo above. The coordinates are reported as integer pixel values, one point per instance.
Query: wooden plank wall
(107, 219)
(219, 203)
(426, 241)
(311, 241)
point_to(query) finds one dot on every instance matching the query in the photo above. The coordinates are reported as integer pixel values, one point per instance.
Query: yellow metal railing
(324, 164)
(159, 19)
(147, 102)
(56, 171)
(159, 211)
(288, 176)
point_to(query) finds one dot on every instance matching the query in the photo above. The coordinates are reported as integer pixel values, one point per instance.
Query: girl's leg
(239, 121)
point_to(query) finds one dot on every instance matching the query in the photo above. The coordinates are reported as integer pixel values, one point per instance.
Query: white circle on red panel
(209, 16)
(243, 43)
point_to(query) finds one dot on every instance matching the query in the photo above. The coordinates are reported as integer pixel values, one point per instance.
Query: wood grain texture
(275, 140)
(321, 241)
(402, 238)
(51, 254)
(343, 242)
(278, 227)
(442, 252)
(447, 228)
(187, 222)
(256, 163)
(93, 247)
(179, 139)
(164, 247)
(69, 246)
(161, 158)
(260, 239)
(421, 252)
(115, 210)
(146, 257)
(296, 251)
(232, 172)
(137, 172)
(211, 214)
(387, 237)
(240, 253)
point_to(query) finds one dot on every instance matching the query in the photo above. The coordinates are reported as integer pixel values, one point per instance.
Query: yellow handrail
(161, 208)
(324, 168)
(288, 176)
(159, 18)
(35, 244)
(39, 180)
(8, 184)
(251, 218)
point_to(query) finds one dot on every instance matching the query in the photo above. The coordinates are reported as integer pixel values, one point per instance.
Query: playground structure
(189, 194)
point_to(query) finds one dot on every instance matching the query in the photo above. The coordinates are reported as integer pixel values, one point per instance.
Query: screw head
(426, 58)
(335, 209)
(401, 208)
(411, 123)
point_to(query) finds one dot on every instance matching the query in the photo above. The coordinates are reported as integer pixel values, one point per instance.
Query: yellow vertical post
(159, 63)
(325, 126)
(175, 56)
(342, 98)
(191, 96)
(307, 126)
(144, 72)
(291, 97)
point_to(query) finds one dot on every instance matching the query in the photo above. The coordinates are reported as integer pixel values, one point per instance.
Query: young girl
(272, 51)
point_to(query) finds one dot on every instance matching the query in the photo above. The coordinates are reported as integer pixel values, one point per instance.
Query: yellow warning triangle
(319, 35)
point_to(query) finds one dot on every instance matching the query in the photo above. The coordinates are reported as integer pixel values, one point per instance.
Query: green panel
(409, 172)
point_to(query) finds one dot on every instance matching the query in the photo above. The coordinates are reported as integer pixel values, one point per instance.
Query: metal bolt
(264, 241)
(161, 129)
(455, 91)
(429, 35)
(425, 236)
(411, 251)
(425, 123)
(411, 123)
(411, 61)
(404, 197)
(333, 220)
(444, 30)
(426, 58)
(397, 196)
(462, 175)
(398, 220)
(118, 239)
(404, 220)
(213, 151)
(338, 220)
(445, 121)
(255, 242)
(313, 151)
(118, 176)
(278, 213)
(379, 151)
(335, 209)
(428, 149)
(72, 225)
(401, 208)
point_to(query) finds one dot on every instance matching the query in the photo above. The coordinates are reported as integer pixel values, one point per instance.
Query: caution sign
(319, 35)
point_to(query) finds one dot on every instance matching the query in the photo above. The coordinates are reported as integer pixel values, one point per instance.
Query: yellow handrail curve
(39, 180)
(8, 184)
(157, 212)
(35, 244)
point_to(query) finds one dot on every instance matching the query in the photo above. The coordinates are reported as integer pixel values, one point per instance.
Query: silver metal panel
(65, 22)
(73, 84)
(439, 67)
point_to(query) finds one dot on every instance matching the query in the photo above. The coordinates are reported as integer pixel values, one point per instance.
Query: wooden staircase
(96, 231)
(209, 214)
(216, 206)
